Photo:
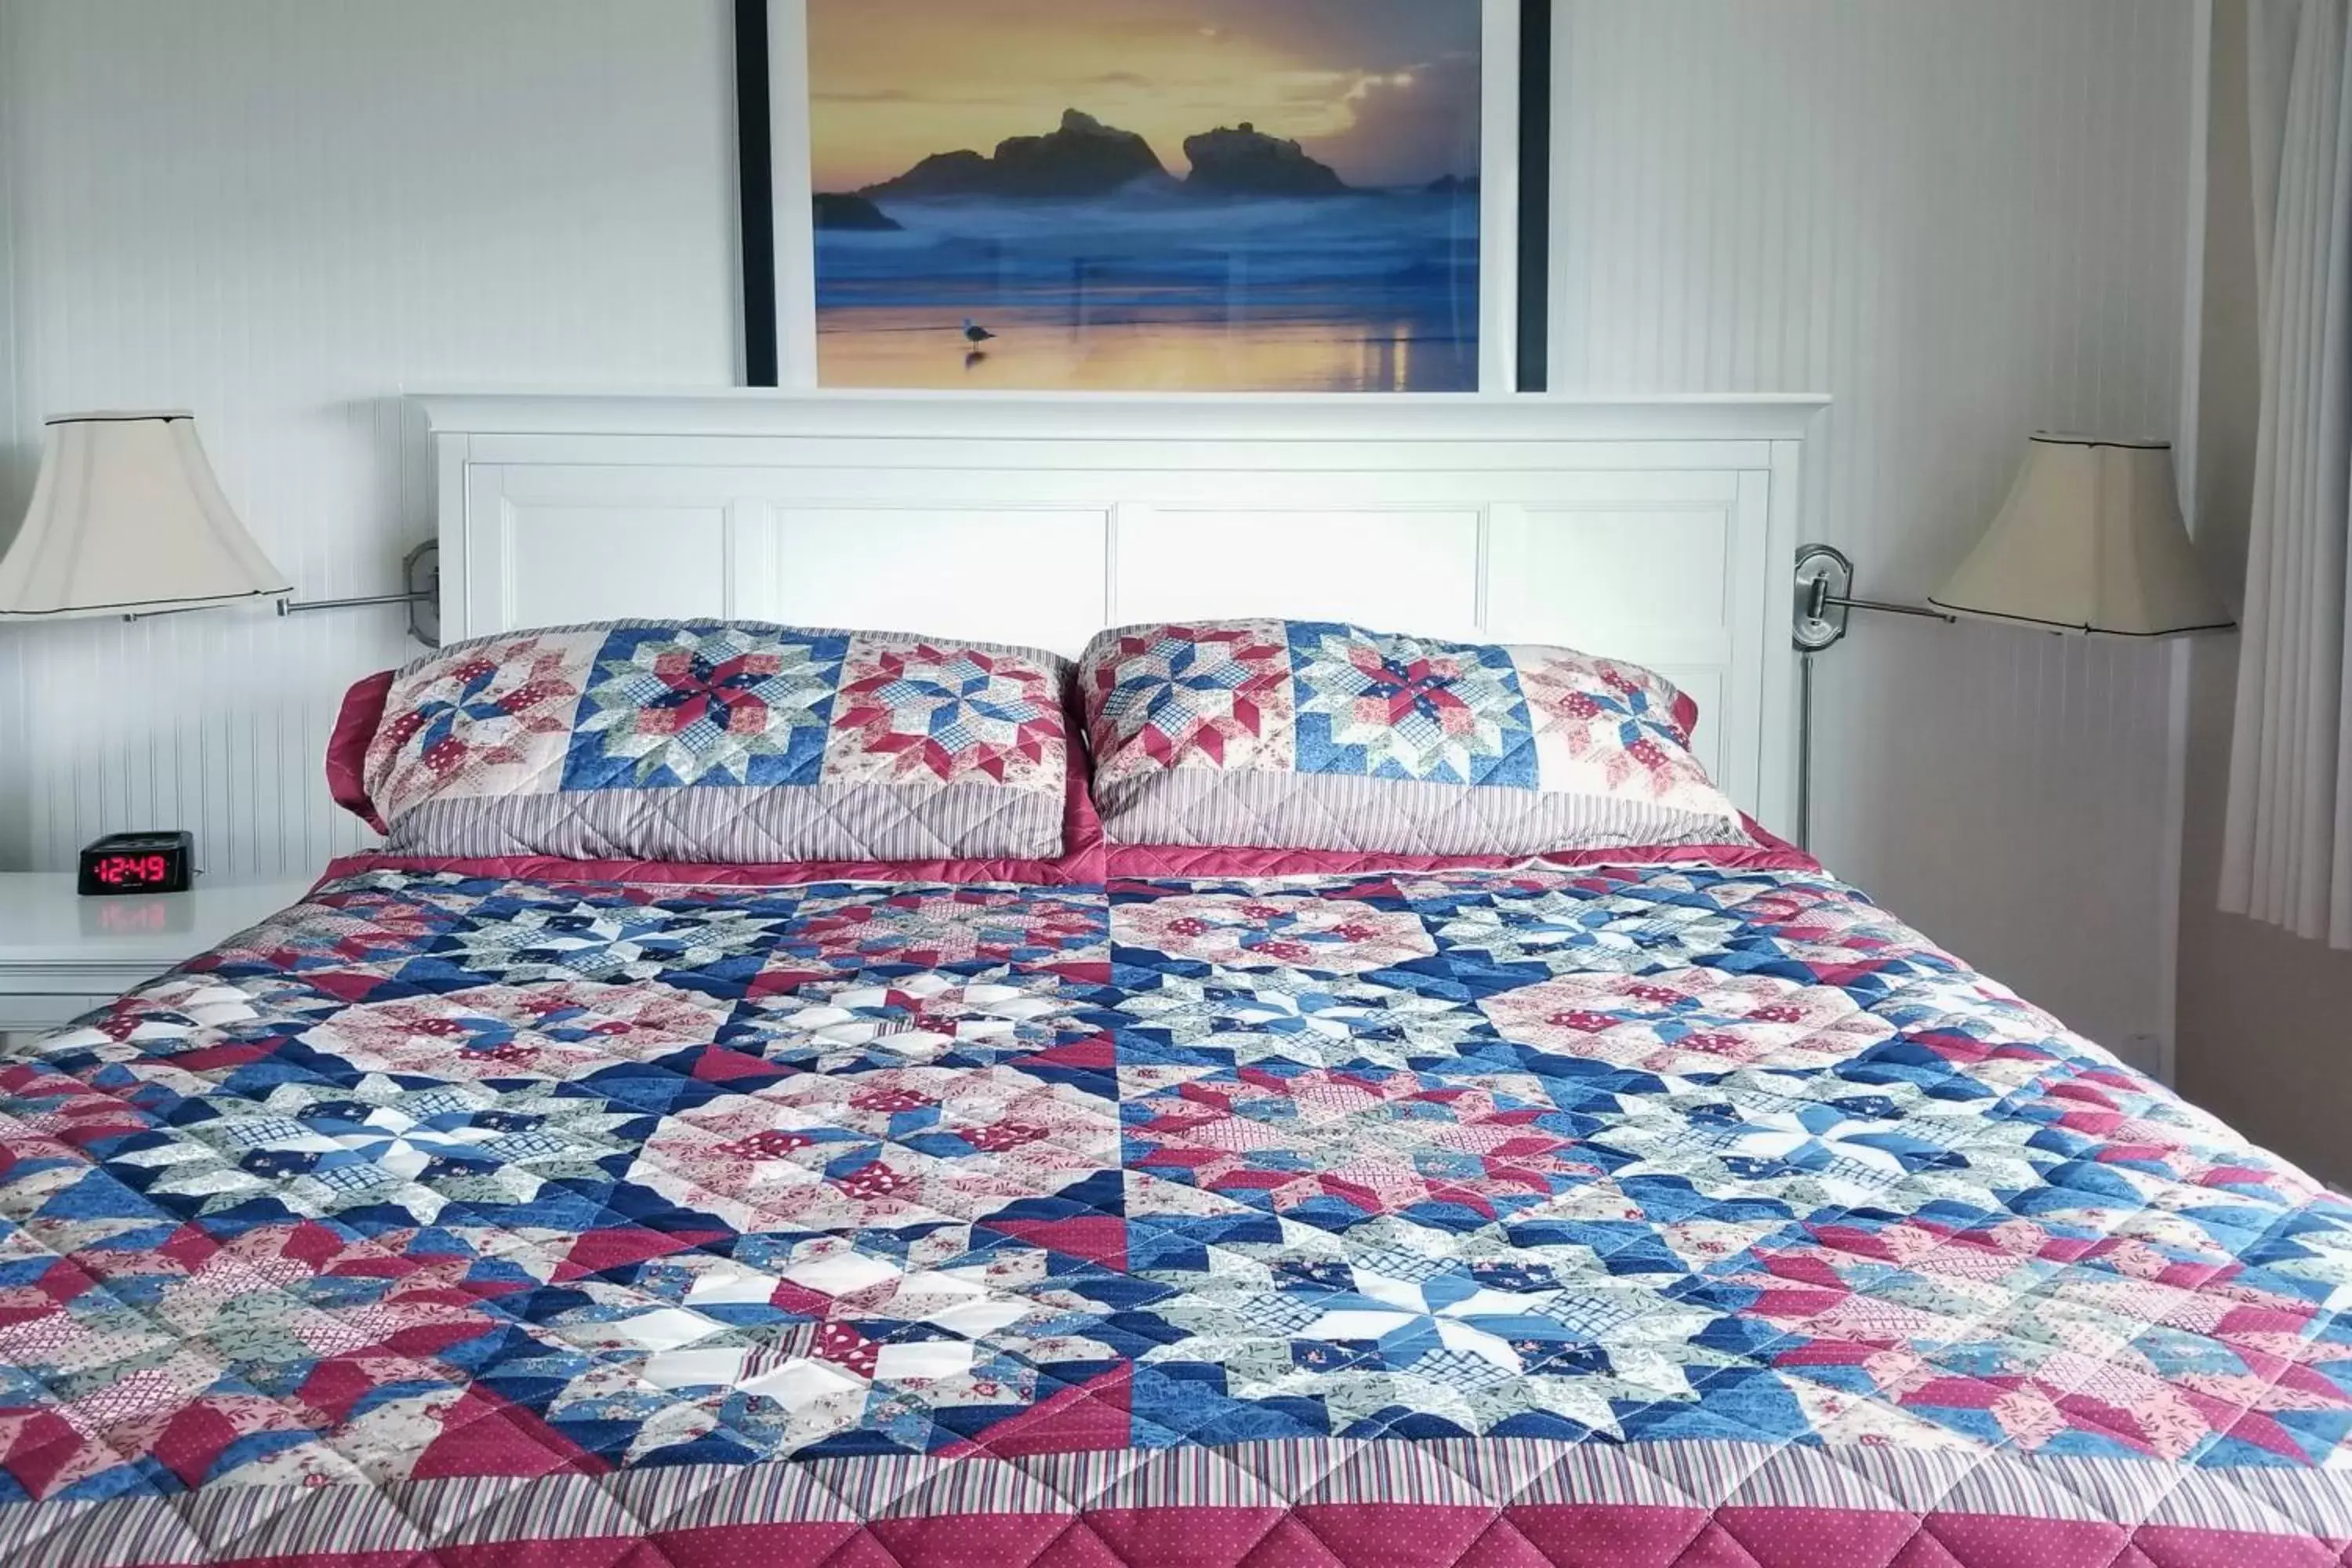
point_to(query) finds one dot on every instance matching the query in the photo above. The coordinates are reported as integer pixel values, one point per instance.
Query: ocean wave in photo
(1156, 288)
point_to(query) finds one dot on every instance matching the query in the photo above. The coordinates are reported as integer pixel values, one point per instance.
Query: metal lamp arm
(420, 568)
(289, 606)
(1889, 607)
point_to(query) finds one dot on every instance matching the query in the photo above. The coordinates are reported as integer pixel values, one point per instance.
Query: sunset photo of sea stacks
(1145, 195)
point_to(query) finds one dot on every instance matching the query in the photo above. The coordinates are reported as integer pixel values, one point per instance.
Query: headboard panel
(1661, 532)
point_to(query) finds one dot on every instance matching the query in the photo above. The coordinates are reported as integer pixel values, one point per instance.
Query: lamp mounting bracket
(1824, 582)
(1826, 595)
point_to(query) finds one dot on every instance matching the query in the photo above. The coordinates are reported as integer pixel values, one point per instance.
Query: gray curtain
(2287, 853)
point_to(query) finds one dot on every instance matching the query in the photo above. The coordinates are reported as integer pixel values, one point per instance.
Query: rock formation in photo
(1082, 157)
(1246, 162)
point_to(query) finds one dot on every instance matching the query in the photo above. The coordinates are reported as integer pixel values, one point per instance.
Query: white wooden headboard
(1657, 530)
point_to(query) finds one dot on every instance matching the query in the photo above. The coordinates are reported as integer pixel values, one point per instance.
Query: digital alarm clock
(138, 863)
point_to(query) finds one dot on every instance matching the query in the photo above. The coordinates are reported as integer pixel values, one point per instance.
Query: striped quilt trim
(753, 825)
(241, 1523)
(1284, 810)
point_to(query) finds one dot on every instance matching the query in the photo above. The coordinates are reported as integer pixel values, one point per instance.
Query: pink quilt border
(1496, 1502)
(1088, 862)
(1365, 1535)
(1760, 852)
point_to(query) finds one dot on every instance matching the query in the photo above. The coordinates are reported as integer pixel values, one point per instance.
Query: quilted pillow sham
(722, 741)
(1318, 735)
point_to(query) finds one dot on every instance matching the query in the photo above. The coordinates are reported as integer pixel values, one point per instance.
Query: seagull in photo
(974, 333)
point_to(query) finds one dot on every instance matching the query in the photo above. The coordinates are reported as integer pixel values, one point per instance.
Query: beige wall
(2265, 1020)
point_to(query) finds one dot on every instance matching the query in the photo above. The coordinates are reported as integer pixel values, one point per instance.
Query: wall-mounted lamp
(2091, 543)
(127, 520)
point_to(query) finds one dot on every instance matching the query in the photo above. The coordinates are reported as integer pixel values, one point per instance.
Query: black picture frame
(755, 167)
(755, 185)
(1534, 303)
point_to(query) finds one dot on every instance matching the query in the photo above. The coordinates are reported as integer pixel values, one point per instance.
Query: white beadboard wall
(278, 213)
(1964, 219)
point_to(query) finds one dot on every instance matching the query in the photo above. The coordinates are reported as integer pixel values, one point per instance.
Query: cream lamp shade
(127, 520)
(2091, 541)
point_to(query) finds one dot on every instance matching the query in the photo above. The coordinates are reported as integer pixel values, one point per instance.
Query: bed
(1144, 1205)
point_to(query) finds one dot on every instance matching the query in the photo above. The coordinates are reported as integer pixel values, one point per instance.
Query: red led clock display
(133, 870)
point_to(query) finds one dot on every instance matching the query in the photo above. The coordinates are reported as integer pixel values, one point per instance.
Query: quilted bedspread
(1685, 1215)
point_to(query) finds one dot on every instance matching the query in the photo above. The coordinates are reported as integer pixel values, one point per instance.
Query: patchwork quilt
(1687, 1215)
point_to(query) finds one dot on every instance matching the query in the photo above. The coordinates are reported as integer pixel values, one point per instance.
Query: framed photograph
(1216, 195)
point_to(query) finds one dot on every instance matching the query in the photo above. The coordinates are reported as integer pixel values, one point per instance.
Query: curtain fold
(2287, 848)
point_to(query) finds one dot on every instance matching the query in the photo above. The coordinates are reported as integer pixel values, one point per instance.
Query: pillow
(1316, 735)
(722, 741)
(347, 748)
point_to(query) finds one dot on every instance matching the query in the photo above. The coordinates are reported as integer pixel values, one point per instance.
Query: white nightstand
(62, 954)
